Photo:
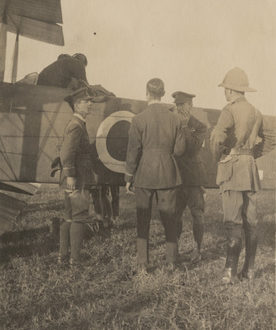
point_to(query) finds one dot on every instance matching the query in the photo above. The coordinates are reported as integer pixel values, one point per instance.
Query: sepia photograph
(137, 164)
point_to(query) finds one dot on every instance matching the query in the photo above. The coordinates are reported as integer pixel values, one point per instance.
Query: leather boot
(198, 231)
(76, 238)
(251, 242)
(64, 241)
(232, 259)
(142, 252)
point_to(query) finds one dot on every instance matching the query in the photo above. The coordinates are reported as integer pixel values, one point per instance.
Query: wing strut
(15, 59)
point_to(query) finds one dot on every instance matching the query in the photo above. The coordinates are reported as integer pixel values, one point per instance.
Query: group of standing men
(163, 162)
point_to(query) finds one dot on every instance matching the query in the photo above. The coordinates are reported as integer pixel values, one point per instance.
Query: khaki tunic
(155, 137)
(75, 154)
(237, 130)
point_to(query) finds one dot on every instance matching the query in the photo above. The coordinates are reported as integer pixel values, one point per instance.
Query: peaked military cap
(182, 97)
(81, 93)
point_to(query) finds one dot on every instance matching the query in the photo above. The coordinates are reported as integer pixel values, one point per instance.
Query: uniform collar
(80, 117)
(239, 99)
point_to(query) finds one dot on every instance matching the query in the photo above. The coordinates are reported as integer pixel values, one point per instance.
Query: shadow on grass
(55, 205)
(27, 250)
(26, 234)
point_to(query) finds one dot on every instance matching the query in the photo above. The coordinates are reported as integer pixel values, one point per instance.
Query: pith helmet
(237, 80)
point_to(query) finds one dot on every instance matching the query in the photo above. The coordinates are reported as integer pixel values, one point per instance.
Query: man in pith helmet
(192, 172)
(232, 142)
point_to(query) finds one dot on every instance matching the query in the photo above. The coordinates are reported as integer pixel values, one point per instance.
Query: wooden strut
(15, 59)
(3, 40)
(3, 46)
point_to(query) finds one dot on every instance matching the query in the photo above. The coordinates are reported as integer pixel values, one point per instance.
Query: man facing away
(66, 72)
(76, 160)
(192, 172)
(233, 140)
(155, 136)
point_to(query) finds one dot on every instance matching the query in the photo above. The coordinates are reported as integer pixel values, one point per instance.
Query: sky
(189, 44)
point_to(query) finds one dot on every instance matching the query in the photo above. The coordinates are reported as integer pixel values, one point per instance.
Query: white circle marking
(102, 133)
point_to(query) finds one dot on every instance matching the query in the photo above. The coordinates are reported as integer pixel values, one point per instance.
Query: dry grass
(37, 294)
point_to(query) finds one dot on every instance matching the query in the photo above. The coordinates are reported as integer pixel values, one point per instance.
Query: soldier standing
(192, 172)
(76, 160)
(232, 140)
(155, 136)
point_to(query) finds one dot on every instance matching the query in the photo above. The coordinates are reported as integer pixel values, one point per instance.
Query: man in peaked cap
(155, 137)
(232, 142)
(192, 172)
(76, 160)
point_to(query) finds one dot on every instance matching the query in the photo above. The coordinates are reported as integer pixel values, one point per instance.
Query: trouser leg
(115, 200)
(181, 203)
(251, 234)
(102, 205)
(196, 206)
(95, 193)
(76, 238)
(106, 206)
(167, 209)
(143, 209)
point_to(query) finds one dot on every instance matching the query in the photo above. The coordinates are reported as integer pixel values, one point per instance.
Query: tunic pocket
(225, 171)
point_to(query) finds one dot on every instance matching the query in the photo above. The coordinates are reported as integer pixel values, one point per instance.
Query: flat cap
(182, 97)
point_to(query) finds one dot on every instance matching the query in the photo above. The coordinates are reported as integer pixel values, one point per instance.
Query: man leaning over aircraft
(192, 172)
(66, 72)
(239, 124)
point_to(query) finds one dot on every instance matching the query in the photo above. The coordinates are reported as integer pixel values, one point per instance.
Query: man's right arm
(219, 133)
(134, 149)
(69, 149)
(180, 141)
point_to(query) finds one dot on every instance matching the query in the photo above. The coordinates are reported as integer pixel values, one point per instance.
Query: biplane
(33, 118)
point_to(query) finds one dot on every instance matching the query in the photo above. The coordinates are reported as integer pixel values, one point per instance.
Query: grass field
(35, 293)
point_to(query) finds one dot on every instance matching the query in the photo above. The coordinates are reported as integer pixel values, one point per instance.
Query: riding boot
(76, 239)
(232, 259)
(171, 253)
(198, 231)
(142, 252)
(64, 241)
(251, 242)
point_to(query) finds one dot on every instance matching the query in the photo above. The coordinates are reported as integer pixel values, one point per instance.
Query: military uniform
(155, 136)
(61, 72)
(193, 177)
(192, 170)
(75, 155)
(236, 131)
